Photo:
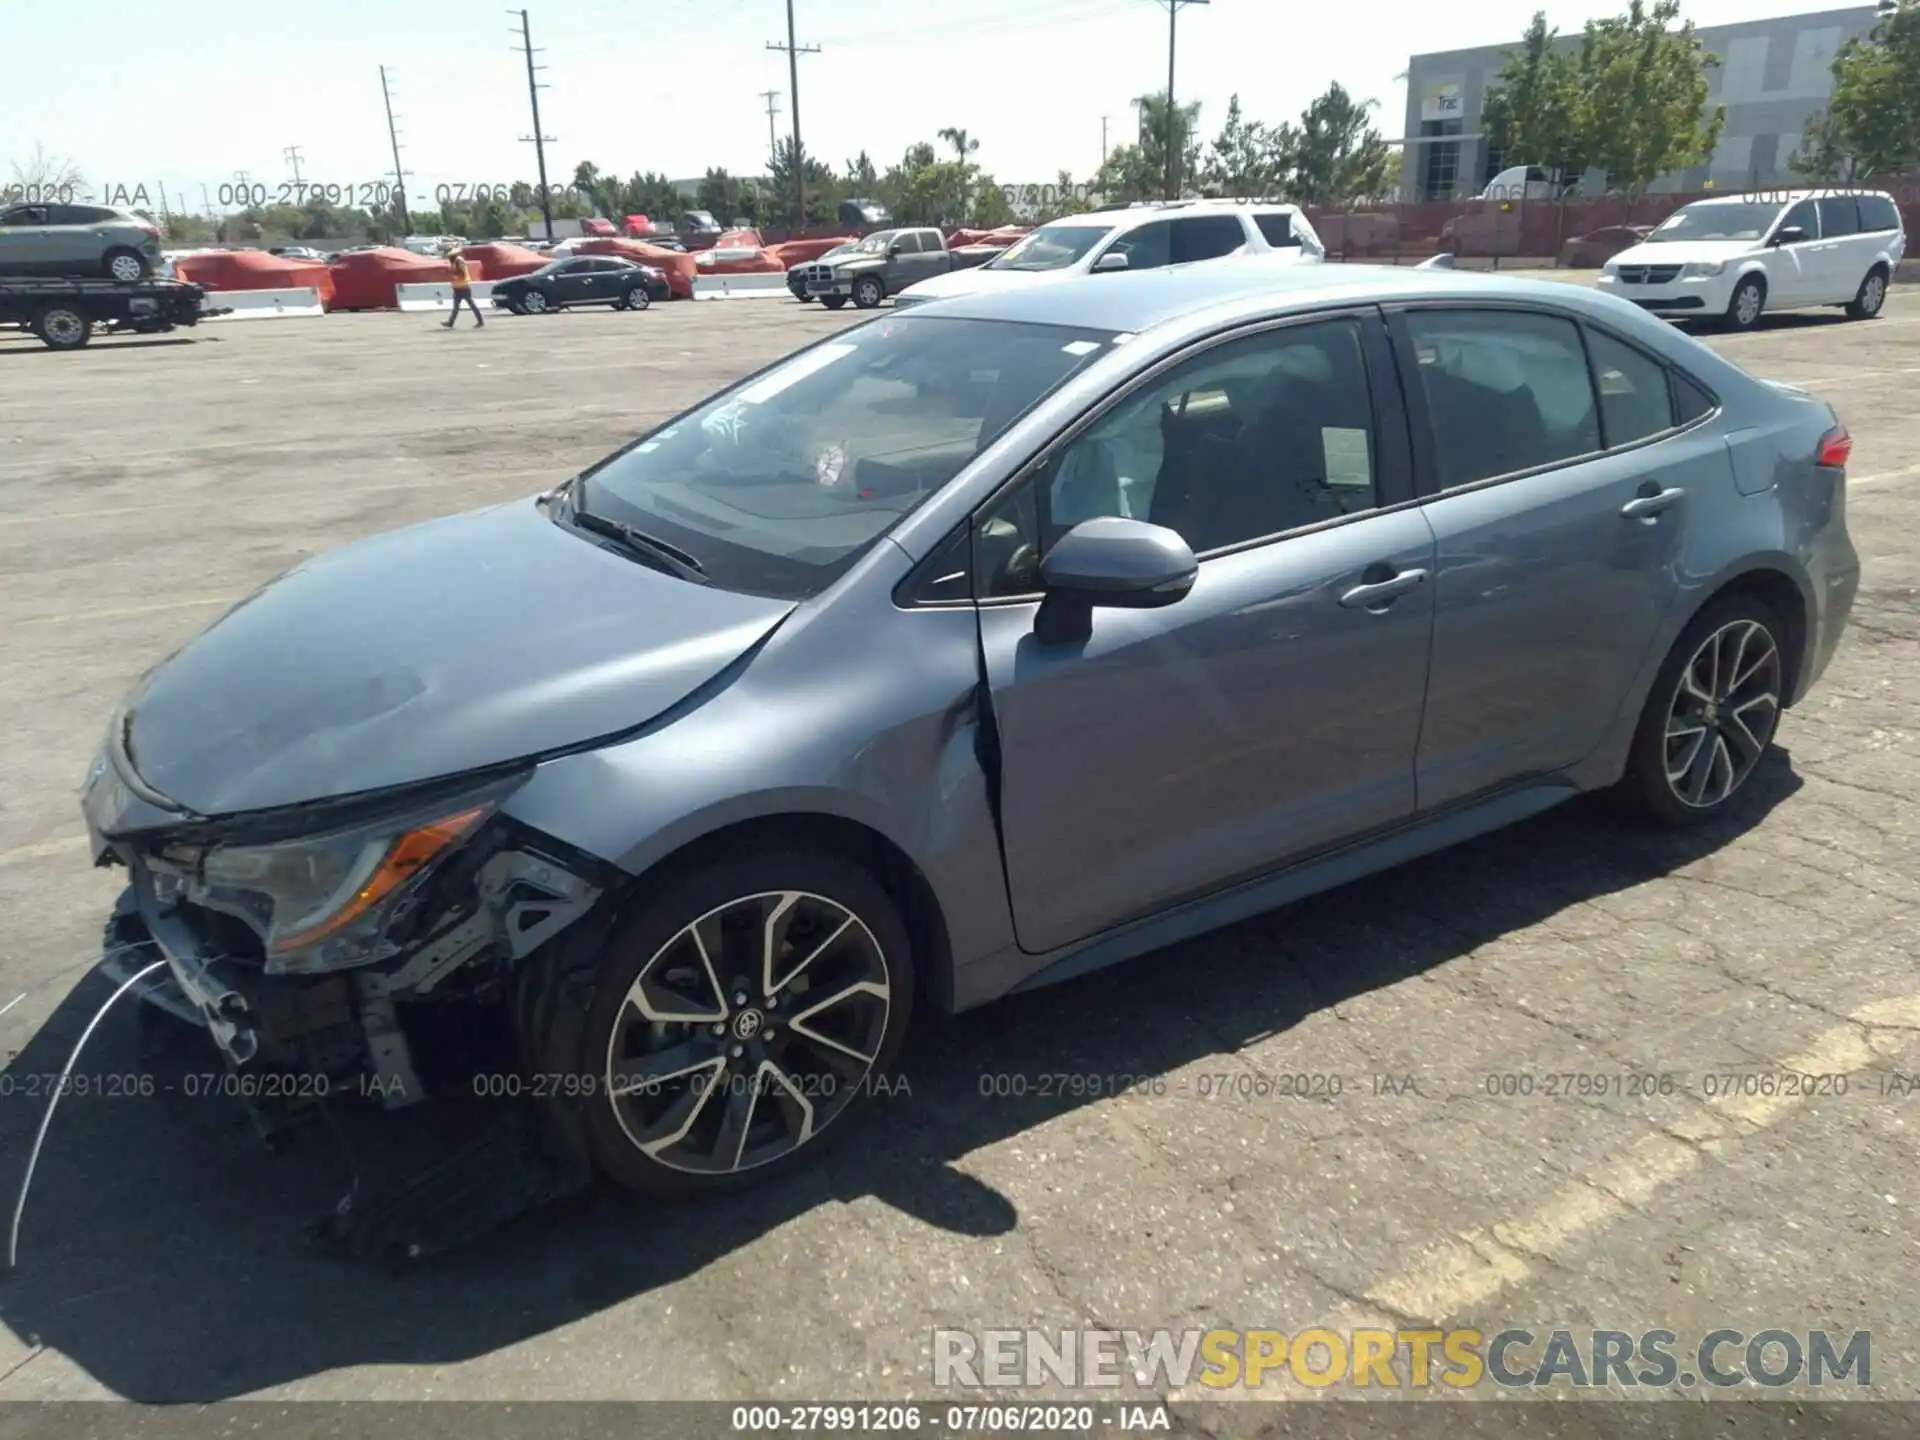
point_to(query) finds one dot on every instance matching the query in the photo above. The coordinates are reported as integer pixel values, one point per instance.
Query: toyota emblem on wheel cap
(746, 1024)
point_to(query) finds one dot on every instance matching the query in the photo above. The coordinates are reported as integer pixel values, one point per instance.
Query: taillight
(1836, 448)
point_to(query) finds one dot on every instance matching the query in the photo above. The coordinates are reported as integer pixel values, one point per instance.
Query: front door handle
(1648, 507)
(1376, 594)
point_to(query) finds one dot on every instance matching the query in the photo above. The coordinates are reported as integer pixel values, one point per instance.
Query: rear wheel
(1711, 715)
(635, 299)
(1748, 300)
(1871, 296)
(127, 267)
(738, 1014)
(62, 327)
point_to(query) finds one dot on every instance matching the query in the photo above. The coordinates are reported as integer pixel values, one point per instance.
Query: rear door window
(1276, 227)
(1635, 400)
(1206, 237)
(1506, 390)
(1839, 215)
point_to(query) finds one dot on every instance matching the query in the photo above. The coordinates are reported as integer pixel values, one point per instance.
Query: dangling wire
(33, 1159)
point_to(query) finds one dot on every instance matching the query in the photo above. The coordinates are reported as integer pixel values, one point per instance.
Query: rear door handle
(1646, 507)
(1382, 592)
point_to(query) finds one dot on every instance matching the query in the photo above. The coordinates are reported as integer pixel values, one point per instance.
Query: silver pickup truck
(883, 264)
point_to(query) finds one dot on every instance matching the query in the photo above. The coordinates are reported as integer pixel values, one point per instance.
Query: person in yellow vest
(462, 290)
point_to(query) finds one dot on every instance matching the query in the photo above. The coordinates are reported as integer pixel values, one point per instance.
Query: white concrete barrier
(740, 287)
(439, 295)
(264, 304)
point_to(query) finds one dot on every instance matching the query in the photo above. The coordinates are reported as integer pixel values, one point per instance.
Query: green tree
(1530, 110)
(962, 172)
(862, 178)
(824, 188)
(990, 208)
(586, 180)
(183, 229)
(1338, 155)
(1641, 96)
(1871, 126)
(1130, 173)
(1247, 159)
(1160, 129)
(720, 193)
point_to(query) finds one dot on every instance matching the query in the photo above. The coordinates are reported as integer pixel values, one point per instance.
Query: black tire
(648, 934)
(868, 292)
(62, 327)
(517, 306)
(635, 299)
(1743, 314)
(803, 299)
(124, 266)
(833, 302)
(1646, 784)
(1871, 295)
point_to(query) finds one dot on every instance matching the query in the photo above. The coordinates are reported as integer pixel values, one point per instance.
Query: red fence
(1581, 232)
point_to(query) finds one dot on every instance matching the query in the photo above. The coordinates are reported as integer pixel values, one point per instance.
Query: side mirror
(1789, 235)
(1112, 260)
(1113, 563)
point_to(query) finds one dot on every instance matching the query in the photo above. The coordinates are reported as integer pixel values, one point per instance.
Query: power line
(772, 97)
(399, 175)
(1174, 138)
(539, 137)
(794, 51)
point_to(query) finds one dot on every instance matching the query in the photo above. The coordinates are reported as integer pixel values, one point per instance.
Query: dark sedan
(582, 280)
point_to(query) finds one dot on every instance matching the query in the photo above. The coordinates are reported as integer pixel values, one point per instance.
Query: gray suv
(970, 649)
(78, 240)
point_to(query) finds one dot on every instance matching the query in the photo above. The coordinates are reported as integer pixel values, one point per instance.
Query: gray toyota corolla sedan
(965, 651)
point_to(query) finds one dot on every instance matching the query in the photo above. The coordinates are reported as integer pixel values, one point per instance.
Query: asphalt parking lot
(145, 485)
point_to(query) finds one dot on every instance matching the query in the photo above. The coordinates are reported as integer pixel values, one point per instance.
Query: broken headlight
(323, 902)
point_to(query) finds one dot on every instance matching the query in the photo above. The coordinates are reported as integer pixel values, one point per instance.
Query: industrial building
(1773, 75)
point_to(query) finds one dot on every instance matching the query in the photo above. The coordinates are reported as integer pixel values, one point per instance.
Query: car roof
(1133, 302)
(1785, 197)
(1129, 216)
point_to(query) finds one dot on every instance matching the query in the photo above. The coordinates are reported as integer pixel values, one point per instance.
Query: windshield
(778, 485)
(1051, 247)
(873, 244)
(1717, 221)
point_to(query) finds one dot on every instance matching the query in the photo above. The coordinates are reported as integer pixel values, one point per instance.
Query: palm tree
(964, 148)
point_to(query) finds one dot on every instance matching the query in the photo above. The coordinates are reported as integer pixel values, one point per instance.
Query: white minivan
(1732, 259)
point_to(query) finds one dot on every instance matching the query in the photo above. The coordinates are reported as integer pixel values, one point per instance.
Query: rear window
(1277, 228)
(1877, 213)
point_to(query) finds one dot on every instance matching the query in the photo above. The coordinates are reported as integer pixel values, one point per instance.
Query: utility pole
(399, 175)
(1103, 142)
(1174, 138)
(772, 97)
(293, 157)
(794, 51)
(539, 136)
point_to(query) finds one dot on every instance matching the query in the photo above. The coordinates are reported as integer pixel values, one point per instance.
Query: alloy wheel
(746, 1034)
(535, 302)
(125, 268)
(1723, 713)
(1873, 295)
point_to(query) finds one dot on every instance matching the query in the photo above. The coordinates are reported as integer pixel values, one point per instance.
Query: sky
(190, 93)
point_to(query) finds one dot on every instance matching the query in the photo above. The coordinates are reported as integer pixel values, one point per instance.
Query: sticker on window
(1346, 453)
(1079, 347)
(792, 373)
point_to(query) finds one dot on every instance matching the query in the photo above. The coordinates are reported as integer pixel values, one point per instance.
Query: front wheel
(1871, 296)
(834, 302)
(738, 1014)
(534, 304)
(868, 292)
(1748, 300)
(1711, 715)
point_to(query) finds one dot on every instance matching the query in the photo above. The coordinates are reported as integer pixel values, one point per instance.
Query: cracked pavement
(1319, 1116)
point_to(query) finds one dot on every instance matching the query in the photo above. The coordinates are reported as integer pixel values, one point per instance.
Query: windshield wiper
(637, 542)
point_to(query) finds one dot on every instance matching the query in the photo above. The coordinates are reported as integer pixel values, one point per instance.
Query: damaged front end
(359, 950)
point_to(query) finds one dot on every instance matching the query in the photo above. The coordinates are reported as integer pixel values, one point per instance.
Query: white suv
(1134, 237)
(1733, 258)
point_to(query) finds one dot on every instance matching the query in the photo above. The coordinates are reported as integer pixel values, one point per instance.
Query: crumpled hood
(427, 652)
(1685, 252)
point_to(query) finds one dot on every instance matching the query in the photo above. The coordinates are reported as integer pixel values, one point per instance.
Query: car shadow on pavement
(161, 1250)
